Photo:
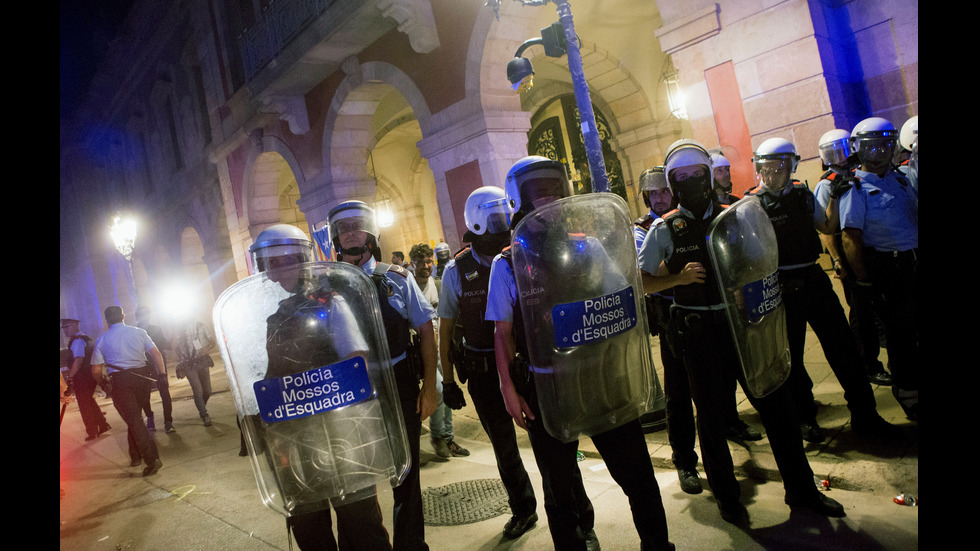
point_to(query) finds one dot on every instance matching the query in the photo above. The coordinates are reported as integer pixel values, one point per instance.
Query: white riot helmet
(531, 168)
(835, 147)
(775, 160)
(909, 136)
(442, 251)
(353, 216)
(874, 140)
(692, 191)
(280, 240)
(487, 211)
(719, 161)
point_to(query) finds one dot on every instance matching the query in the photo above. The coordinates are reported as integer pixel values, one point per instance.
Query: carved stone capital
(415, 19)
(292, 109)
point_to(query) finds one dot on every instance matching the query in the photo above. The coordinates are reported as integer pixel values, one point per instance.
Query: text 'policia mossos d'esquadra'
(314, 391)
(594, 320)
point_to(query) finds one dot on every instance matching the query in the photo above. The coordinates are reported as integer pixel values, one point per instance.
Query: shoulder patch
(678, 223)
(399, 270)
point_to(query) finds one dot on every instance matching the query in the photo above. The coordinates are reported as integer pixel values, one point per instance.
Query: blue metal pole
(590, 133)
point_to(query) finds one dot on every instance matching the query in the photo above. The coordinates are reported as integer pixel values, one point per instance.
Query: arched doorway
(273, 193)
(371, 134)
(550, 137)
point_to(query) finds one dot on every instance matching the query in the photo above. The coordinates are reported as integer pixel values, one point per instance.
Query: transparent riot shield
(742, 247)
(584, 315)
(311, 376)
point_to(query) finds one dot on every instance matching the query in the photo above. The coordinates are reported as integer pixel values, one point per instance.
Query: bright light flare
(178, 301)
(123, 234)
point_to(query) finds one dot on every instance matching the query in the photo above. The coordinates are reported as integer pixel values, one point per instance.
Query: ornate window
(551, 138)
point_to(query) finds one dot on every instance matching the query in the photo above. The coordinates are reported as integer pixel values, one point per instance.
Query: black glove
(839, 188)
(162, 381)
(452, 396)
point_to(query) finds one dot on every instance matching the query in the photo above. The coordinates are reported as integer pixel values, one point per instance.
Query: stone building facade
(209, 120)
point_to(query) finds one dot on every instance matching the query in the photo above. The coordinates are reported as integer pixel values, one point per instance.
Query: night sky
(87, 27)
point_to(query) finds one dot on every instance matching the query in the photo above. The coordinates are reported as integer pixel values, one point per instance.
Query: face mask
(692, 193)
(490, 244)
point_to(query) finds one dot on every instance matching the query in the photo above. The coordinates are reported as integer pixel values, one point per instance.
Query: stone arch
(359, 120)
(195, 271)
(273, 184)
(347, 131)
(492, 45)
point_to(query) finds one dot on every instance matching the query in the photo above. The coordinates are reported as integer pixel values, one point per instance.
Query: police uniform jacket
(885, 209)
(465, 284)
(793, 214)
(677, 239)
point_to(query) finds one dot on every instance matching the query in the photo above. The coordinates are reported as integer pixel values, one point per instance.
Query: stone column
(494, 139)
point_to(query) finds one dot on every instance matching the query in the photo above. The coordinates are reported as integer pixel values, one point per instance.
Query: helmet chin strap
(354, 251)
(354, 256)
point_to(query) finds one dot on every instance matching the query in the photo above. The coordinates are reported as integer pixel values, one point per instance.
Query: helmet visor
(835, 152)
(774, 173)
(354, 223)
(541, 191)
(876, 151)
(272, 255)
(497, 215)
(274, 263)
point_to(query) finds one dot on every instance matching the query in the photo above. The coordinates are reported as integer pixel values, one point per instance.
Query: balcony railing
(275, 27)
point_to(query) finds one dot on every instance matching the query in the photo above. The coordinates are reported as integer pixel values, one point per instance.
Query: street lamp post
(123, 233)
(590, 132)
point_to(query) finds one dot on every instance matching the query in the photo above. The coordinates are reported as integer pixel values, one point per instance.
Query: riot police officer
(681, 429)
(880, 224)
(443, 256)
(839, 162)
(674, 255)
(721, 171)
(355, 234)
(280, 251)
(532, 183)
(807, 291)
(463, 301)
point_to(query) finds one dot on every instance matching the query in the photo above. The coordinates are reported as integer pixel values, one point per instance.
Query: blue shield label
(761, 297)
(594, 320)
(315, 391)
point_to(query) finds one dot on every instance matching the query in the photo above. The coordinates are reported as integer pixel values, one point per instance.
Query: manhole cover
(464, 502)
